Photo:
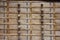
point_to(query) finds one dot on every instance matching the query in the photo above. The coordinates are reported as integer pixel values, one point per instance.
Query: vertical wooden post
(50, 22)
(41, 21)
(54, 15)
(3, 18)
(27, 19)
(18, 31)
(30, 21)
(7, 19)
